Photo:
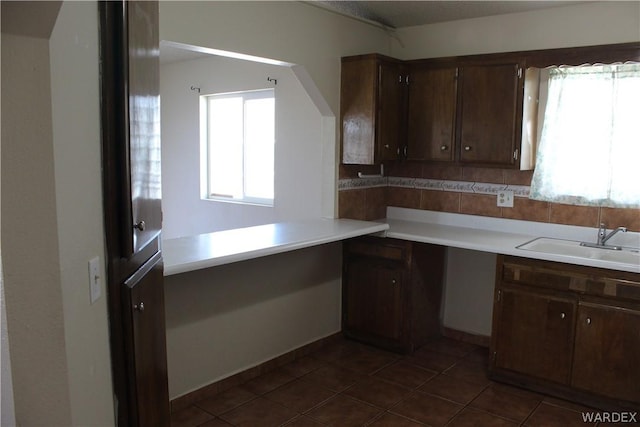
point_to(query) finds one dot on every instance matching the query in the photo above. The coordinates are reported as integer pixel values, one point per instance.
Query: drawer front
(389, 249)
(566, 277)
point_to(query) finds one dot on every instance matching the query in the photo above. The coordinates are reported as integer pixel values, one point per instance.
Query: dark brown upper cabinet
(468, 113)
(476, 110)
(490, 114)
(371, 109)
(431, 113)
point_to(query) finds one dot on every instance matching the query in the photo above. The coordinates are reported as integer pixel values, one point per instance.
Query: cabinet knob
(140, 225)
(139, 307)
(588, 320)
(386, 145)
(393, 281)
(443, 148)
(562, 315)
(467, 148)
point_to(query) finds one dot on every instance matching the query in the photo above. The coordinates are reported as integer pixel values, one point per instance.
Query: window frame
(205, 149)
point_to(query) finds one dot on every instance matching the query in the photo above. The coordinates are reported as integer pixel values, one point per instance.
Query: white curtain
(589, 152)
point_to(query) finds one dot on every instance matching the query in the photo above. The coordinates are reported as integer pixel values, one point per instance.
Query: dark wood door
(144, 122)
(431, 114)
(488, 114)
(373, 299)
(144, 301)
(607, 351)
(129, 49)
(534, 333)
(390, 110)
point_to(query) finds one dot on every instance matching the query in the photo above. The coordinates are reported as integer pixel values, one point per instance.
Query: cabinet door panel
(358, 110)
(534, 334)
(374, 299)
(607, 351)
(390, 111)
(431, 114)
(488, 114)
(145, 326)
(144, 122)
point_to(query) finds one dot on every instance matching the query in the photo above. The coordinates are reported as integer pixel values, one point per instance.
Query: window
(589, 152)
(238, 139)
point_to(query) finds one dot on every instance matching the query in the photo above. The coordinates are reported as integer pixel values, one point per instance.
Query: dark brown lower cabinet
(391, 292)
(568, 330)
(536, 329)
(145, 341)
(607, 351)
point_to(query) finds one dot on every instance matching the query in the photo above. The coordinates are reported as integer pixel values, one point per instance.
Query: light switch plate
(94, 279)
(505, 198)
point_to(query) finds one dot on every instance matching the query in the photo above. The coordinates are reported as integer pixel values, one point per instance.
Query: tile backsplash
(466, 190)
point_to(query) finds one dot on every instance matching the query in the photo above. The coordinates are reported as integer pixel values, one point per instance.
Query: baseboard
(481, 340)
(212, 389)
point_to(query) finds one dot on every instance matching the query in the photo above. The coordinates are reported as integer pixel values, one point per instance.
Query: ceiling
(398, 14)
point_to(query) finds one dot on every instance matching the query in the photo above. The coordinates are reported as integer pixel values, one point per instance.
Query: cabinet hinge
(499, 295)
(515, 154)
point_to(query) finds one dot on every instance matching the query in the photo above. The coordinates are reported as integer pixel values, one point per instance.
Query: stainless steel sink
(574, 249)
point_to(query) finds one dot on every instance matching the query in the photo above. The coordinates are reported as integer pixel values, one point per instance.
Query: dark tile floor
(350, 384)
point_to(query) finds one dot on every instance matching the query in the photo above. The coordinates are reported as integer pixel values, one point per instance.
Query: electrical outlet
(94, 279)
(505, 198)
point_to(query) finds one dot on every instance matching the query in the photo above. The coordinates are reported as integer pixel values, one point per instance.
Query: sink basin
(573, 249)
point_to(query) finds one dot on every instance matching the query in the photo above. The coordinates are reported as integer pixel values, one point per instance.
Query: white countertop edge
(489, 240)
(317, 232)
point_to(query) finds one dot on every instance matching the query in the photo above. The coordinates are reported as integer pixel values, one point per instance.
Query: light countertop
(224, 247)
(496, 235)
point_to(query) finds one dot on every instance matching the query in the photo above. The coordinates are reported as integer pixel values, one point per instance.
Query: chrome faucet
(603, 237)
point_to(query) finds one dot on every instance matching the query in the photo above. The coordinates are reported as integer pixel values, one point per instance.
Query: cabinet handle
(588, 320)
(139, 307)
(562, 315)
(443, 148)
(467, 148)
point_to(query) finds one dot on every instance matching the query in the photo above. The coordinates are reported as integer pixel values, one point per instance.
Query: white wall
(52, 222)
(468, 299)
(226, 319)
(35, 318)
(290, 31)
(75, 101)
(298, 149)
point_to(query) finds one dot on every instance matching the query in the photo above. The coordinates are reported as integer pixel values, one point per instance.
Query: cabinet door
(373, 299)
(534, 333)
(146, 343)
(607, 351)
(371, 109)
(390, 110)
(431, 114)
(144, 123)
(359, 78)
(488, 114)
